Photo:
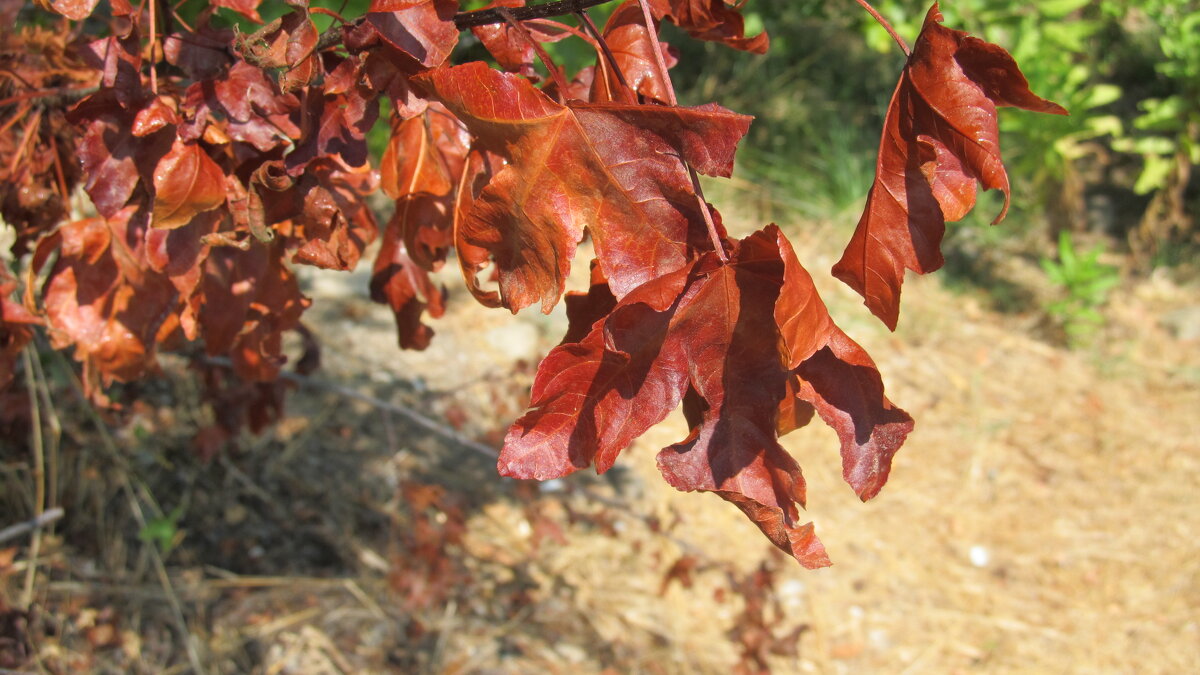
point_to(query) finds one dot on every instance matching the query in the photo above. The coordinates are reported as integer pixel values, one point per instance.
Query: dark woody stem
(591, 28)
(484, 17)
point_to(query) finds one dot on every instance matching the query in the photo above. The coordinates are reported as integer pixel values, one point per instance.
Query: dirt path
(1041, 518)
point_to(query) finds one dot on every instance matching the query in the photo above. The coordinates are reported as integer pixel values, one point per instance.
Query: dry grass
(1042, 517)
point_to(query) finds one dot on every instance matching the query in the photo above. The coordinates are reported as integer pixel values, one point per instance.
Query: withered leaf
(629, 43)
(186, 182)
(405, 287)
(16, 324)
(711, 20)
(940, 136)
(615, 168)
(423, 29)
(247, 8)
(734, 343)
(102, 297)
(75, 10)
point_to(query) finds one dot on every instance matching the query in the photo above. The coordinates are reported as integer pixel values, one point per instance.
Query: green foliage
(164, 531)
(1083, 283)
(1169, 124)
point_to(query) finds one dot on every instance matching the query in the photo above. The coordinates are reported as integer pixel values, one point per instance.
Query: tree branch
(483, 17)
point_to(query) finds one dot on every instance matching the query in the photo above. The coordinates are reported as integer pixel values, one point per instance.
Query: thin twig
(153, 41)
(886, 26)
(483, 17)
(47, 517)
(591, 28)
(135, 506)
(39, 474)
(656, 48)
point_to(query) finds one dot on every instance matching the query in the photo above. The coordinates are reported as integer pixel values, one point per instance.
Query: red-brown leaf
(420, 169)
(186, 182)
(750, 351)
(613, 168)
(940, 137)
(711, 20)
(592, 398)
(509, 46)
(247, 8)
(16, 324)
(423, 29)
(405, 287)
(101, 297)
(76, 10)
(629, 43)
(113, 159)
(844, 386)
(833, 375)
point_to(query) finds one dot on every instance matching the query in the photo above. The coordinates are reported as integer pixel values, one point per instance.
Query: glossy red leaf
(940, 136)
(423, 29)
(629, 43)
(613, 168)
(186, 182)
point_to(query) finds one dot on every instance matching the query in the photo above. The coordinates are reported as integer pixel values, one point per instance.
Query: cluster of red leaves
(216, 159)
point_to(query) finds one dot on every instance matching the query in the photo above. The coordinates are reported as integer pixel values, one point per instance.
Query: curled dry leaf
(716, 340)
(940, 136)
(422, 29)
(102, 297)
(711, 20)
(186, 182)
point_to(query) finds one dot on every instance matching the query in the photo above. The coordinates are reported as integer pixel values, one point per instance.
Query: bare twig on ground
(36, 523)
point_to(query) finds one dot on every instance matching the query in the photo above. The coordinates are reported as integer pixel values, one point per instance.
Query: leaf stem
(153, 43)
(656, 47)
(591, 28)
(555, 72)
(886, 26)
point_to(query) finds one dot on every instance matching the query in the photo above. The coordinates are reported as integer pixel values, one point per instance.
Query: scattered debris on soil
(1041, 517)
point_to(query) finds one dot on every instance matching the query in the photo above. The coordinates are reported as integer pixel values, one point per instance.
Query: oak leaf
(940, 136)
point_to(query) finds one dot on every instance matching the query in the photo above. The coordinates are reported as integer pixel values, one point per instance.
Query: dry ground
(1041, 518)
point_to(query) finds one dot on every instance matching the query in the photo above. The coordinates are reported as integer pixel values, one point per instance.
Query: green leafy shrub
(1083, 284)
